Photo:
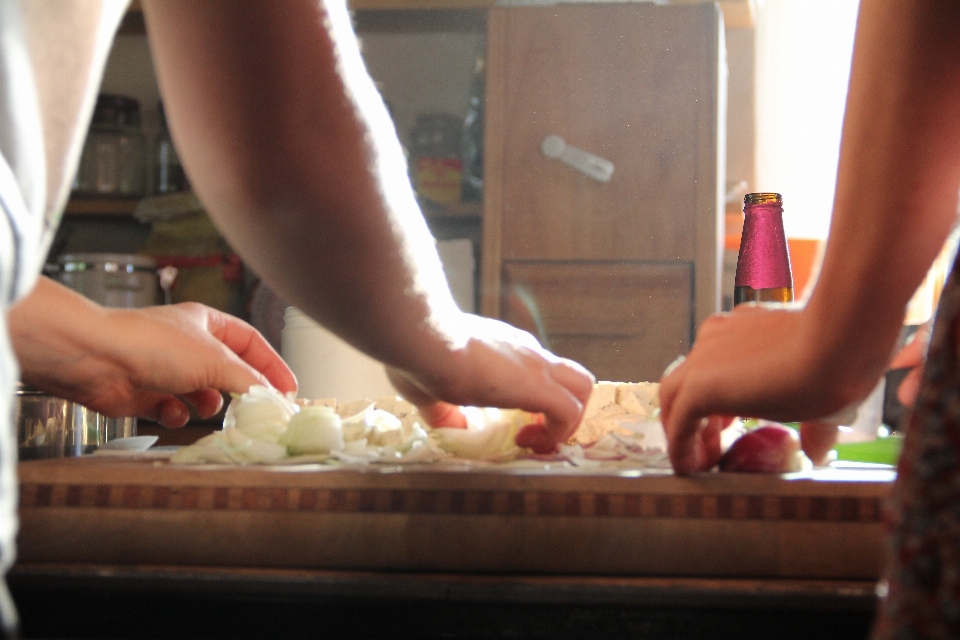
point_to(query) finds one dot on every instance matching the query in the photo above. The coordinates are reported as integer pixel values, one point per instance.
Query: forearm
(897, 182)
(308, 186)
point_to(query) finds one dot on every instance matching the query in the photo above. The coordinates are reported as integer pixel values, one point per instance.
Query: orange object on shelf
(805, 256)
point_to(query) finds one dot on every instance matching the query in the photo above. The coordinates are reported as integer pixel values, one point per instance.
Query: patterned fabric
(921, 595)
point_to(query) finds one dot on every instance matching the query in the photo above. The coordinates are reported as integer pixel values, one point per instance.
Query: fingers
(681, 432)
(169, 410)
(561, 397)
(817, 439)
(711, 441)
(910, 387)
(574, 377)
(910, 356)
(693, 441)
(443, 414)
(206, 402)
(254, 350)
(172, 413)
(561, 400)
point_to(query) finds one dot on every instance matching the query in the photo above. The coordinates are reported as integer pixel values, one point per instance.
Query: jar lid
(27, 390)
(116, 110)
(106, 262)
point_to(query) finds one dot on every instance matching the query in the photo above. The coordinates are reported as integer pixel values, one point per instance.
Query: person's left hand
(150, 363)
(912, 356)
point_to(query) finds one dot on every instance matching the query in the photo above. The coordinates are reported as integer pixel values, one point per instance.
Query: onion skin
(768, 449)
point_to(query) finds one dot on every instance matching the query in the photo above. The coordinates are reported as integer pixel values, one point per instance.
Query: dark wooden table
(95, 601)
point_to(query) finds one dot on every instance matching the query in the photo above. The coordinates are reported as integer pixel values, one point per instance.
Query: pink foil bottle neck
(764, 260)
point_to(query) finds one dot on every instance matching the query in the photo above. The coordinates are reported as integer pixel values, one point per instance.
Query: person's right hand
(912, 356)
(150, 363)
(497, 365)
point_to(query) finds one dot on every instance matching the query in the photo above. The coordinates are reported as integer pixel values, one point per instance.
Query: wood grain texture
(493, 142)
(717, 525)
(709, 223)
(632, 83)
(642, 86)
(603, 314)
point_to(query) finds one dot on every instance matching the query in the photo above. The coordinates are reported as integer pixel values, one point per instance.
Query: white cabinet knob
(556, 148)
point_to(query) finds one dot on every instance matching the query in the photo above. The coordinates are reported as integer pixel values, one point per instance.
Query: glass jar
(436, 162)
(168, 174)
(114, 158)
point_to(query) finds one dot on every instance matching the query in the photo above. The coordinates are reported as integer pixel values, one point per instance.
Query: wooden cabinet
(615, 274)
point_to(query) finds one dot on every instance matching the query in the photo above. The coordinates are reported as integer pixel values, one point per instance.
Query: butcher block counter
(473, 537)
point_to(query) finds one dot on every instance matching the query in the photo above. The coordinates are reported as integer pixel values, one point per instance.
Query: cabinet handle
(556, 148)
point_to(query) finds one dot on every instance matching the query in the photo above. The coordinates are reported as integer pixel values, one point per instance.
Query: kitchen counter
(481, 552)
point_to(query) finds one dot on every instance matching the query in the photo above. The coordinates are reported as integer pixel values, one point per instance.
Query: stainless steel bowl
(51, 427)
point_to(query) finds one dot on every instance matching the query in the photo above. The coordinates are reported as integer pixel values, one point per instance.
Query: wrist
(850, 342)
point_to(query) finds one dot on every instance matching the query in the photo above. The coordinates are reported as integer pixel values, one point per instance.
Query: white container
(326, 366)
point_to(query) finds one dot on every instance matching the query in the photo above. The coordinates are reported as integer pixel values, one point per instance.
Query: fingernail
(673, 366)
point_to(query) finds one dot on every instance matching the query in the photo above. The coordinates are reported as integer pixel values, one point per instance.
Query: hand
(912, 356)
(754, 362)
(148, 362)
(497, 365)
(817, 439)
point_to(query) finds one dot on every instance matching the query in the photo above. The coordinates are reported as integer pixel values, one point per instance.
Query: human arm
(895, 205)
(138, 362)
(291, 149)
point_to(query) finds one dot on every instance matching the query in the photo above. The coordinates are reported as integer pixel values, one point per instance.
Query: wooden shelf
(737, 13)
(94, 206)
(363, 5)
(453, 210)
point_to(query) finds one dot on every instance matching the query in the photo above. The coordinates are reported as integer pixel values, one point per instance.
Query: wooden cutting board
(826, 524)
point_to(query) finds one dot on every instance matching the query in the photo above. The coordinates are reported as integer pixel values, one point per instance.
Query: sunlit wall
(804, 49)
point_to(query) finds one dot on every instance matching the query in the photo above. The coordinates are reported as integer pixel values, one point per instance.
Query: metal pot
(118, 280)
(51, 427)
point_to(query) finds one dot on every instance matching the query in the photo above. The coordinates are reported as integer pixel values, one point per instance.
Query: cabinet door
(637, 84)
(623, 321)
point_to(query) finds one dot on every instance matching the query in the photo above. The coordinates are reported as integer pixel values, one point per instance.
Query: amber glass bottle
(763, 266)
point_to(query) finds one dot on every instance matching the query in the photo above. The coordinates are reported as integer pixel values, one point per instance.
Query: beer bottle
(763, 266)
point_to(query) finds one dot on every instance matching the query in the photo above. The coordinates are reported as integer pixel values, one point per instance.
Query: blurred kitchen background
(693, 103)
